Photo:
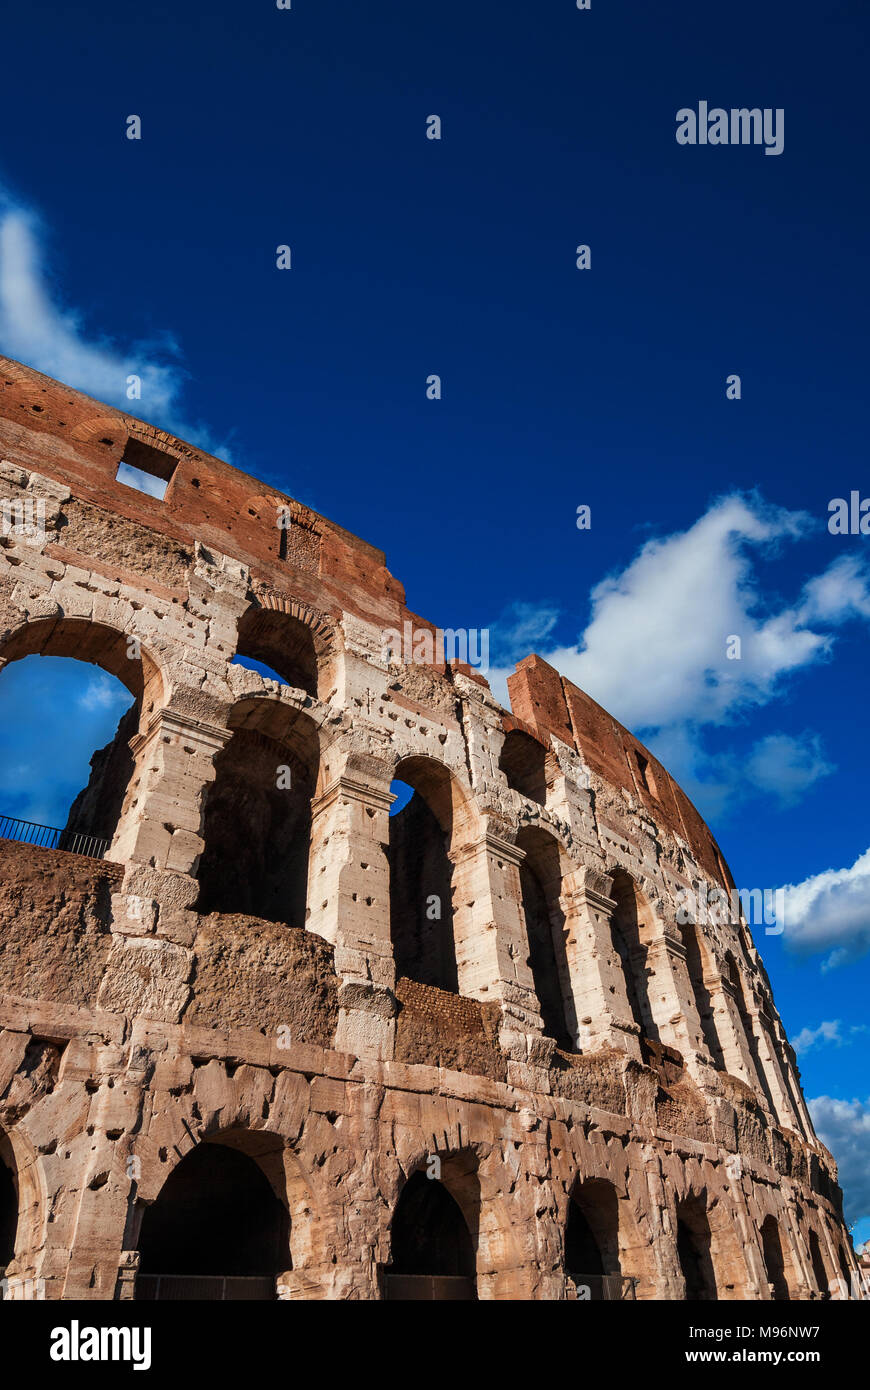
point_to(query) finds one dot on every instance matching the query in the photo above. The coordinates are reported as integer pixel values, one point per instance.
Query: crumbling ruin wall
(135, 1027)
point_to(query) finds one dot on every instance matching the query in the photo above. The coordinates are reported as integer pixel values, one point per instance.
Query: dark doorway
(693, 1250)
(433, 1255)
(592, 1240)
(421, 875)
(774, 1261)
(216, 1231)
(541, 885)
(8, 1216)
(819, 1265)
(629, 941)
(257, 828)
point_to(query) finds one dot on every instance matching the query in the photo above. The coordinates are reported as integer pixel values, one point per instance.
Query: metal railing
(27, 832)
(435, 1288)
(205, 1288)
(600, 1287)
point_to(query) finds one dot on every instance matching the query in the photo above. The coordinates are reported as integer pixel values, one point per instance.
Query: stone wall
(137, 1028)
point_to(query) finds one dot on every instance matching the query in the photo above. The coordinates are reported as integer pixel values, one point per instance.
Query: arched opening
(421, 874)
(696, 956)
(257, 821)
(56, 791)
(8, 1214)
(592, 1240)
(524, 763)
(694, 1240)
(217, 1231)
(631, 926)
(432, 1250)
(735, 977)
(541, 887)
(774, 1261)
(282, 643)
(819, 1271)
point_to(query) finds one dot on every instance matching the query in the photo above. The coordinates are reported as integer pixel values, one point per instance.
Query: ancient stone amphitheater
(260, 1038)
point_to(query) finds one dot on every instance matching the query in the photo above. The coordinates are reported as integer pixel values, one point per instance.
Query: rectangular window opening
(146, 469)
(645, 771)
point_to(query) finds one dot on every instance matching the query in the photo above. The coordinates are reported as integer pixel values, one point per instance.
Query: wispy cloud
(844, 1126)
(659, 651)
(38, 330)
(830, 912)
(104, 693)
(827, 1033)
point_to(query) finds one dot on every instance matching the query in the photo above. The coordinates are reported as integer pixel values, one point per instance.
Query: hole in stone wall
(54, 711)
(592, 1233)
(421, 876)
(217, 1216)
(524, 763)
(432, 1250)
(280, 647)
(629, 929)
(146, 469)
(693, 1250)
(541, 885)
(645, 773)
(774, 1261)
(8, 1215)
(818, 1264)
(263, 873)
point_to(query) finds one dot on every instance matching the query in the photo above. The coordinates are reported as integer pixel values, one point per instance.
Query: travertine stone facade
(496, 978)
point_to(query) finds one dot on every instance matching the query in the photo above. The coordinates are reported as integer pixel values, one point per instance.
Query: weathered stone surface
(272, 991)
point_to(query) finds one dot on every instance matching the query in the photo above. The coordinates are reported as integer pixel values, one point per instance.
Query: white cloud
(103, 693)
(844, 1126)
(828, 1032)
(830, 912)
(785, 766)
(808, 1038)
(35, 330)
(685, 596)
(655, 651)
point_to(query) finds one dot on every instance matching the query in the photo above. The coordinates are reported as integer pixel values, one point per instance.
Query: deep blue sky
(560, 387)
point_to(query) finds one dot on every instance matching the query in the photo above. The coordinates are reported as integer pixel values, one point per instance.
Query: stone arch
(22, 1206)
(735, 979)
(434, 1232)
(105, 808)
(633, 929)
(425, 839)
(294, 639)
(8, 1214)
(527, 764)
(703, 972)
(592, 1249)
(817, 1262)
(776, 1258)
(694, 1240)
(97, 643)
(221, 1213)
(265, 777)
(541, 875)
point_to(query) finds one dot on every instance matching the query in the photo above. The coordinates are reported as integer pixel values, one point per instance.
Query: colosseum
(262, 1038)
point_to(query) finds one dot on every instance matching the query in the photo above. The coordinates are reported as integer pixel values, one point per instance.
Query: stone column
(597, 980)
(161, 822)
(349, 905)
(672, 999)
(492, 949)
(733, 1042)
